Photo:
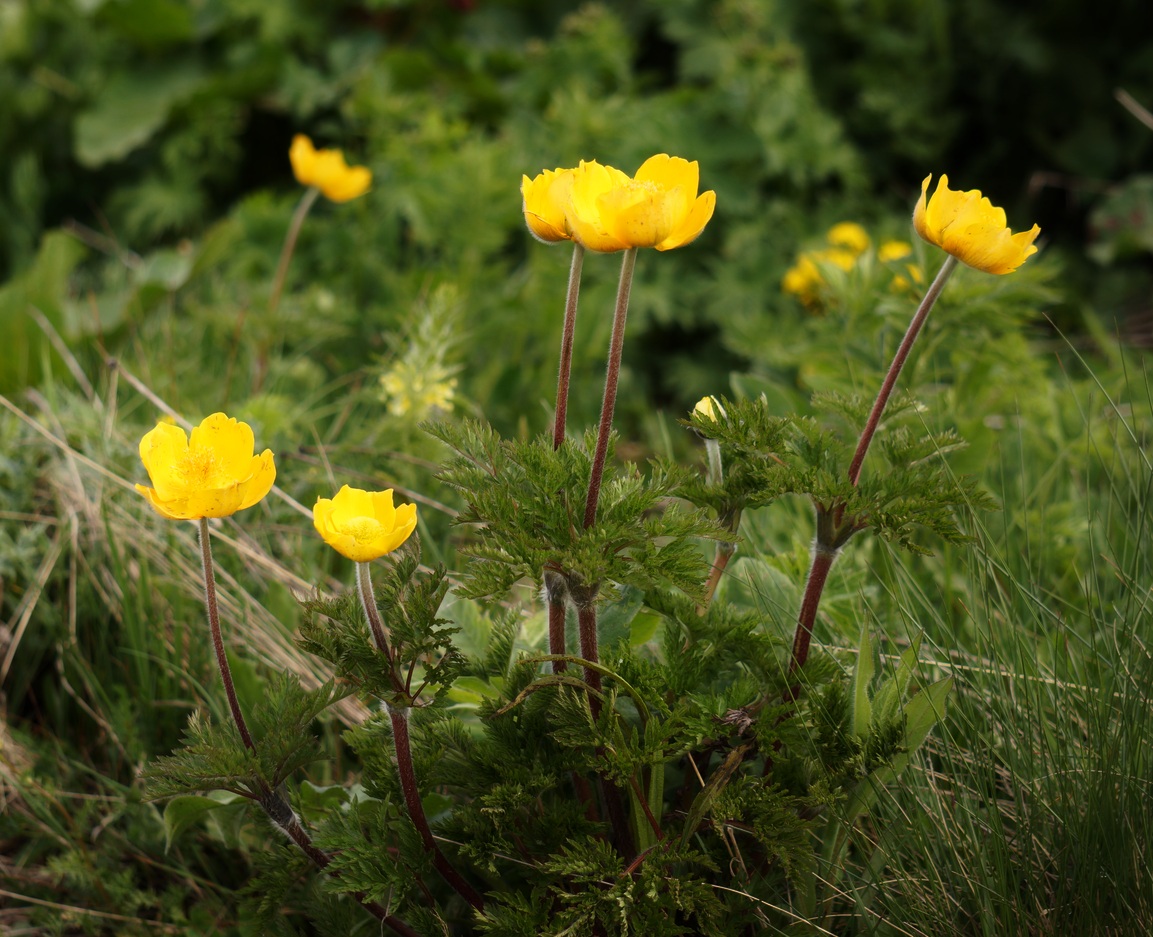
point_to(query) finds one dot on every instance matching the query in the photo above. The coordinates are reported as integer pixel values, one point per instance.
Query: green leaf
(181, 813)
(129, 110)
(924, 711)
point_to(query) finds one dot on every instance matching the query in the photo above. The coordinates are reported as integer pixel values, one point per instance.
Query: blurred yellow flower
(971, 228)
(327, 171)
(894, 250)
(545, 201)
(363, 525)
(418, 390)
(213, 474)
(850, 235)
(658, 207)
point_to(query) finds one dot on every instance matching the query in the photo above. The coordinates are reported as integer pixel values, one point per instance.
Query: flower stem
(587, 621)
(407, 774)
(302, 209)
(217, 640)
(368, 603)
(724, 553)
(824, 551)
(608, 405)
(906, 346)
(294, 226)
(566, 344)
(818, 574)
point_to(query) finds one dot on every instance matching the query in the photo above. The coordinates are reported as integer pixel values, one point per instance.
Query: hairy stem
(368, 603)
(566, 344)
(217, 640)
(407, 774)
(587, 621)
(612, 375)
(724, 553)
(898, 362)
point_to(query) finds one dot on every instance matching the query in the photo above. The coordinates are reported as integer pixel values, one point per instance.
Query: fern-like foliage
(526, 502)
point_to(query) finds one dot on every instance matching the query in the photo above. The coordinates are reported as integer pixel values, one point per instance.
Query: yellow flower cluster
(849, 244)
(215, 474)
(606, 210)
(971, 228)
(327, 171)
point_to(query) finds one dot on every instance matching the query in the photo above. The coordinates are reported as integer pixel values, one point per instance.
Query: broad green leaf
(129, 110)
(180, 813)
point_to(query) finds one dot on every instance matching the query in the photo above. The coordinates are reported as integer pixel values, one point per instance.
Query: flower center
(198, 468)
(364, 529)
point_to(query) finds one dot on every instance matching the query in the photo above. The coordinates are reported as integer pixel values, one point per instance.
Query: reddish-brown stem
(566, 344)
(612, 375)
(643, 801)
(217, 639)
(407, 774)
(587, 622)
(556, 633)
(721, 557)
(818, 574)
(897, 364)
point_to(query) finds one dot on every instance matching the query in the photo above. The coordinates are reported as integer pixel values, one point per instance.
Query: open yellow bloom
(658, 207)
(327, 170)
(363, 525)
(213, 474)
(971, 228)
(546, 200)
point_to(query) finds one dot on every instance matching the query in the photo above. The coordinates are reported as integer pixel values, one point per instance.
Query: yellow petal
(302, 155)
(545, 202)
(693, 223)
(262, 476)
(673, 173)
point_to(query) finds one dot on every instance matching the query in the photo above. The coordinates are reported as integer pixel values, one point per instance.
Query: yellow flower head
(327, 170)
(363, 525)
(213, 474)
(658, 207)
(849, 235)
(546, 199)
(971, 228)
(894, 250)
(709, 408)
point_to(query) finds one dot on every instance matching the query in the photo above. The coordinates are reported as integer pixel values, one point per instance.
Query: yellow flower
(327, 170)
(803, 279)
(213, 474)
(363, 525)
(545, 200)
(971, 228)
(708, 408)
(849, 234)
(658, 207)
(894, 250)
